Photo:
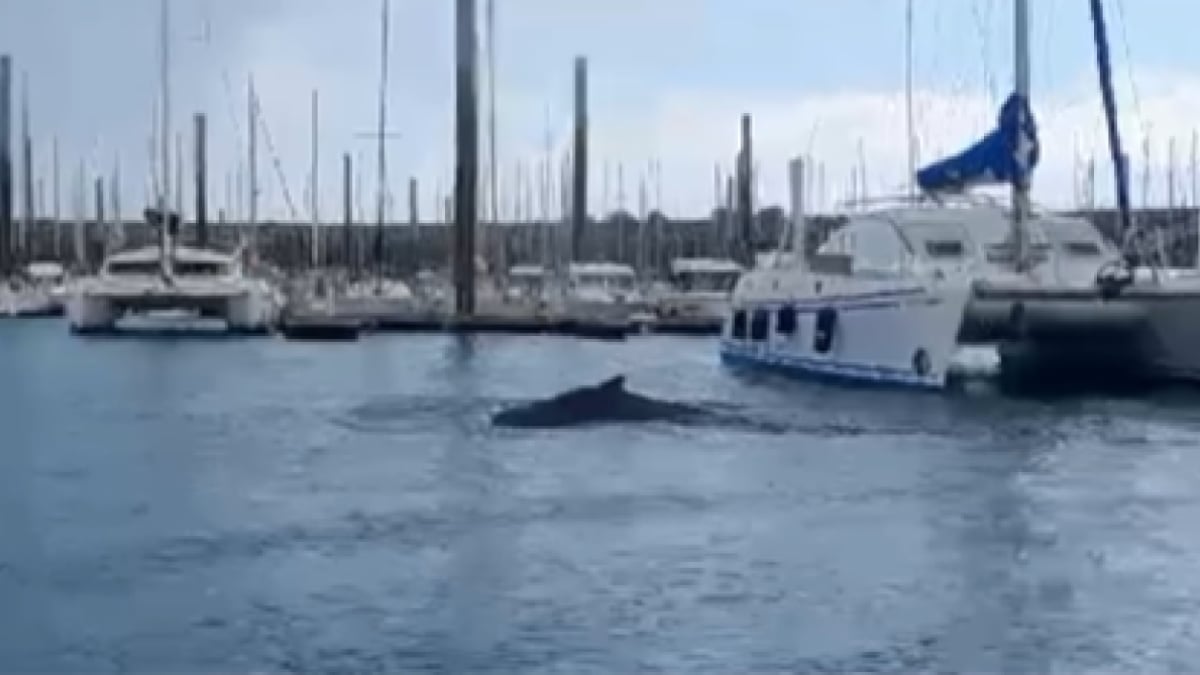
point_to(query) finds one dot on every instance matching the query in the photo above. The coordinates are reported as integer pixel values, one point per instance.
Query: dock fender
(826, 330)
(1018, 320)
(922, 364)
(1112, 278)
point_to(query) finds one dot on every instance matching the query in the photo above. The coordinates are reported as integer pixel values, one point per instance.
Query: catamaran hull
(900, 338)
(245, 312)
(1146, 334)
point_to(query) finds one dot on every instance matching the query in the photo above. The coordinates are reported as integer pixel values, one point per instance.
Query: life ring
(921, 362)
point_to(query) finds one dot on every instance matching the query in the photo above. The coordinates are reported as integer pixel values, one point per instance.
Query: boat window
(739, 325)
(876, 246)
(1083, 249)
(138, 267)
(1005, 253)
(206, 269)
(707, 282)
(785, 322)
(944, 248)
(760, 325)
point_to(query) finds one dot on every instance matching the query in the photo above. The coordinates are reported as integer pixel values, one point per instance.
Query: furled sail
(1007, 155)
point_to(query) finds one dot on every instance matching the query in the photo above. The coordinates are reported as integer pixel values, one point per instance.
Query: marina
(409, 338)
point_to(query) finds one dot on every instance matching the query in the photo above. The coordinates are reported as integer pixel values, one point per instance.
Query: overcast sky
(669, 80)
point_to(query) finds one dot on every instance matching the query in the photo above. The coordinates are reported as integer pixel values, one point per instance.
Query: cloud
(663, 89)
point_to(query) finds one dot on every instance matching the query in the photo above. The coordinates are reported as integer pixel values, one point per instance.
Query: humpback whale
(607, 402)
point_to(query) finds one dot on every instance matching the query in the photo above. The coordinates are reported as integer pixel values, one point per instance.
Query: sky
(669, 80)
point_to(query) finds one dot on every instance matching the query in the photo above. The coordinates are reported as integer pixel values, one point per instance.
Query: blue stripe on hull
(798, 366)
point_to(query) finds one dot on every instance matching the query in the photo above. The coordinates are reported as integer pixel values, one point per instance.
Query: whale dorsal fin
(613, 384)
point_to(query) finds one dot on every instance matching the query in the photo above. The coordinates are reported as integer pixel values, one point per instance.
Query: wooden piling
(98, 186)
(414, 213)
(347, 210)
(201, 123)
(467, 173)
(745, 197)
(6, 168)
(579, 197)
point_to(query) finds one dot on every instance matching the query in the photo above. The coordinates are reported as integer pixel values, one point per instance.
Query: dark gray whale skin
(607, 402)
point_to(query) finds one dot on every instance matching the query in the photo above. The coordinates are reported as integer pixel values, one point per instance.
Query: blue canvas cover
(1006, 155)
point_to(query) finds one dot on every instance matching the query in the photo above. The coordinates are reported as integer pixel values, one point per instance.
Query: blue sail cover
(1007, 155)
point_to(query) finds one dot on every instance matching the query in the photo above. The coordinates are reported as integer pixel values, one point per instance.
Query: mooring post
(347, 210)
(6, 167)
(101, 221)
(26, 234)
(414, 224)
(579, 197)
(467, 173)
(745, 196)
(201, 180)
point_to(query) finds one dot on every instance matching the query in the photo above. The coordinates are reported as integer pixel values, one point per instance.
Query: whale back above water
(607, 402)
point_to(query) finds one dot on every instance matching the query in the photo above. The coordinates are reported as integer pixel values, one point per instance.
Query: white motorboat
(897, 295)
(374, 298)
(900, 295)
(39, 291)
(603, 291)
(699, 288)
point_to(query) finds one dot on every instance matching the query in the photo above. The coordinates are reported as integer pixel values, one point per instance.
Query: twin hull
(245, 307)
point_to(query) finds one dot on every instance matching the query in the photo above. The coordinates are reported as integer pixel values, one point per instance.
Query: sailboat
(915, 290)
(174, 287)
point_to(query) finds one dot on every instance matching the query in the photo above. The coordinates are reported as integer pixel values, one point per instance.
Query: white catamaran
(176, 286)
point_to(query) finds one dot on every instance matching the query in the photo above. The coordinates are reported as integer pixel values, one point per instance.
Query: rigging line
(287, 195)
(1137, 99)
(981, 27)
(1047, 62)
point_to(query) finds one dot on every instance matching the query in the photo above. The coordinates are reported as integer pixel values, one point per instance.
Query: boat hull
(244, 308)
(903, 337)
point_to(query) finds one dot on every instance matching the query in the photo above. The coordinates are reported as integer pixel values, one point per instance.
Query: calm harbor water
(258, 505)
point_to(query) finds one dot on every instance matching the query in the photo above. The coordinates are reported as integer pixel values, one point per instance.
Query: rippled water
(258, 505)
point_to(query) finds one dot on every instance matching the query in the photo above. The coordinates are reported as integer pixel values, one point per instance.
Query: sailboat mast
(165, 140)
(1020, 191)
(494, 170)
(313, 189)
(1120, 162)
(908, 96)
(380, 205)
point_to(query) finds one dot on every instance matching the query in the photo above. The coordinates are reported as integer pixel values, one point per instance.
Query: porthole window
(760, 325)
(739, 325)
(785, 321)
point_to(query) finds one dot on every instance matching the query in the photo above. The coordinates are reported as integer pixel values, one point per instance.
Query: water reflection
(1015, 609)
(482, 560)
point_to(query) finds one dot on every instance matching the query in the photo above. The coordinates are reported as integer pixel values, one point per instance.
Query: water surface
(259, 505)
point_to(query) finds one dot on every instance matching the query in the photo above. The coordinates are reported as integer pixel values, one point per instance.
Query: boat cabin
(45, 272)
(607, 276)
(185, 262)
(961, 241)
(526, 281)
(704, 275)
